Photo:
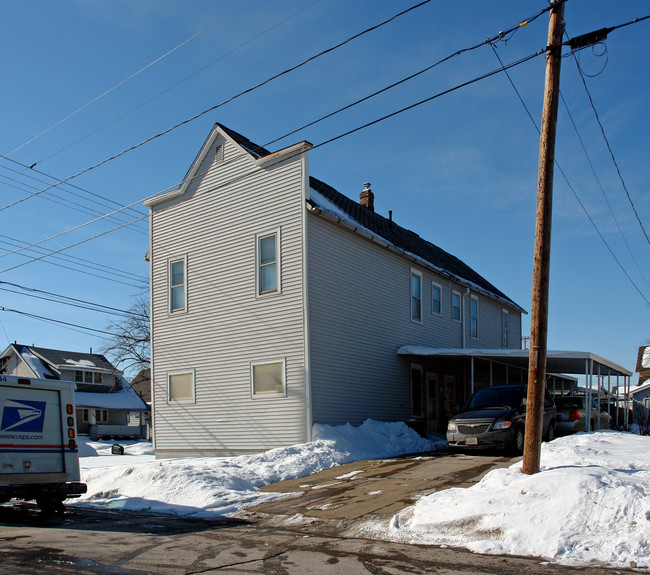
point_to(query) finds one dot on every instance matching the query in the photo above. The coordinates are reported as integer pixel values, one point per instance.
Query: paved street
(317, 532)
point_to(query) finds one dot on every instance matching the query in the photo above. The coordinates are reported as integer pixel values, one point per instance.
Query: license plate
(471, 441)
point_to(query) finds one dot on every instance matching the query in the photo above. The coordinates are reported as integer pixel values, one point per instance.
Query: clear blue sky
(460, 171)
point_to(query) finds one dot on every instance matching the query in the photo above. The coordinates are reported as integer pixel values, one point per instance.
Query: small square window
(181, 386)
(97, 377)
(268, 378)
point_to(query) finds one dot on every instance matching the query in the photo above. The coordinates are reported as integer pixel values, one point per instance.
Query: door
(433, 403)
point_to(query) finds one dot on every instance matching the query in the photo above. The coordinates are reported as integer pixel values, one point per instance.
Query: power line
(566, 179)
(609, 148)
(58, 321)
(212, 108)
(76, 302)
(168, 89)
(130, 77)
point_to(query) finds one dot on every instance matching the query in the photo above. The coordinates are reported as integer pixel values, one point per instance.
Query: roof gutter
(411, 257)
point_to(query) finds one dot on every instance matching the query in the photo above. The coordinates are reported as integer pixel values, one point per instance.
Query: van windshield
(495, 397)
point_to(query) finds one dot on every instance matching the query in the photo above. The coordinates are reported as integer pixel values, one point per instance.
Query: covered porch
(443, 379)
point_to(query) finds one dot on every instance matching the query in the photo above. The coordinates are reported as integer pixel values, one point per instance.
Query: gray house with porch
(277, 302)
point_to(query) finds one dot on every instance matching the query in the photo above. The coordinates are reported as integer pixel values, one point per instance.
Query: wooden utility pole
(539, 307)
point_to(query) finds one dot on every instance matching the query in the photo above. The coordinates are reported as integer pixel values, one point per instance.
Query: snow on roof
(126, 399)
(80, 363)
(645, 360)
(36, 364)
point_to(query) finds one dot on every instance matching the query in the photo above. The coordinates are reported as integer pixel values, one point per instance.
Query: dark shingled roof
(398, 236)
(59, 357)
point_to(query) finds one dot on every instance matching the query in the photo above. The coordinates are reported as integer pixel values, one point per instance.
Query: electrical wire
(85, 304)
(58, 321)
(212, 108)
(566, 179)
(130, 77)
(176, 84)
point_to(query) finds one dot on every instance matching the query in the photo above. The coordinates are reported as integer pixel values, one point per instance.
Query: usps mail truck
(39, 453)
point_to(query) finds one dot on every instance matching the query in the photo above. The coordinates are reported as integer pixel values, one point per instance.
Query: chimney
(367, 198)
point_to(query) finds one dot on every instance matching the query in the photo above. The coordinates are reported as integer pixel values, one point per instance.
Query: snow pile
(590, 502)
(219, 486)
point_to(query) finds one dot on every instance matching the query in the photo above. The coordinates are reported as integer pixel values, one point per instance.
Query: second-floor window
(267, 263)
(416, 296)
(436, 299)
(474, 317)
(455, 306)
(177, 285)
(505, 332)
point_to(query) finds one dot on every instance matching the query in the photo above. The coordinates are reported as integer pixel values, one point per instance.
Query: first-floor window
(180, 386)
(416, 296)
(505, 331)
(177, 285)
(474, 317)
(455, 306)
(268, 378)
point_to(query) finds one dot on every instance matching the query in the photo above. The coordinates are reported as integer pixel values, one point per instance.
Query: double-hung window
(505, 332)
(177, 285)
(436, 299)
(474, 317)
(268, 263)
(416, 296)
(455, 306)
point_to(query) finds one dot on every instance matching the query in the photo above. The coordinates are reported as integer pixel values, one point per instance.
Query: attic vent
(218, 154)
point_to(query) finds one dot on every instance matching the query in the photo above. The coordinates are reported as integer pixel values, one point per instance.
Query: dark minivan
(494, 418)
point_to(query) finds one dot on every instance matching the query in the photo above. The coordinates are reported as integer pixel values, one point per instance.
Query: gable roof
(329, 200)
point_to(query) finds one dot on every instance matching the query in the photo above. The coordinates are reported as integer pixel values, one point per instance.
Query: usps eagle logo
(23, 415)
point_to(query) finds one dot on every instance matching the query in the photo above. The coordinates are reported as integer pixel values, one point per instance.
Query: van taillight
(71, 444)
(574, 415)
(70, 422)
(71, 433)
(69, 409)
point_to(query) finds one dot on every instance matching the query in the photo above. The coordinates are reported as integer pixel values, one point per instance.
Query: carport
(596, 371)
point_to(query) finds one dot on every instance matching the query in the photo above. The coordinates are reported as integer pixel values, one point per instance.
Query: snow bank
(221, 486)
(590, 502)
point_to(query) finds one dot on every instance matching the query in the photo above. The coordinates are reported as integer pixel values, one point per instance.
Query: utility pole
(539, 307)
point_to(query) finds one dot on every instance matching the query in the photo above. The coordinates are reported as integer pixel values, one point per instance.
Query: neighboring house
(106, 404)
(141, 384)
(278, 302)
(643, 364)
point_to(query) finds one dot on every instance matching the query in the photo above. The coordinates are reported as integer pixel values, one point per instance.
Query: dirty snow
(590, 503)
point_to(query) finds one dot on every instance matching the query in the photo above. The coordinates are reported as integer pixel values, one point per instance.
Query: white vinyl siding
(416, 296)
(505, 329)
(473, 312)
(227, 326)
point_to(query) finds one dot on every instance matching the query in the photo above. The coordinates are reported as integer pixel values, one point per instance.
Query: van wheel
(518, 441)
(550, 432)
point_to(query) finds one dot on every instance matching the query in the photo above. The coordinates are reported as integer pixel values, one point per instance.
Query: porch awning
(577, 362)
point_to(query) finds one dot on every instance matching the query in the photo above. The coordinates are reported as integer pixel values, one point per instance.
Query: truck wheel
(50, 505)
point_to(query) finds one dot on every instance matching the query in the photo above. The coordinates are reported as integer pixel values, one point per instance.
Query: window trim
(170, 287)
(283, 393)
(505, 329)
(170, 374)
(435, 285)
(417, 274)
(258, 264)
(460, 306)
(474, 333)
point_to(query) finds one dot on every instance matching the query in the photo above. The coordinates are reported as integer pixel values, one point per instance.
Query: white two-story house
(277, 303)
